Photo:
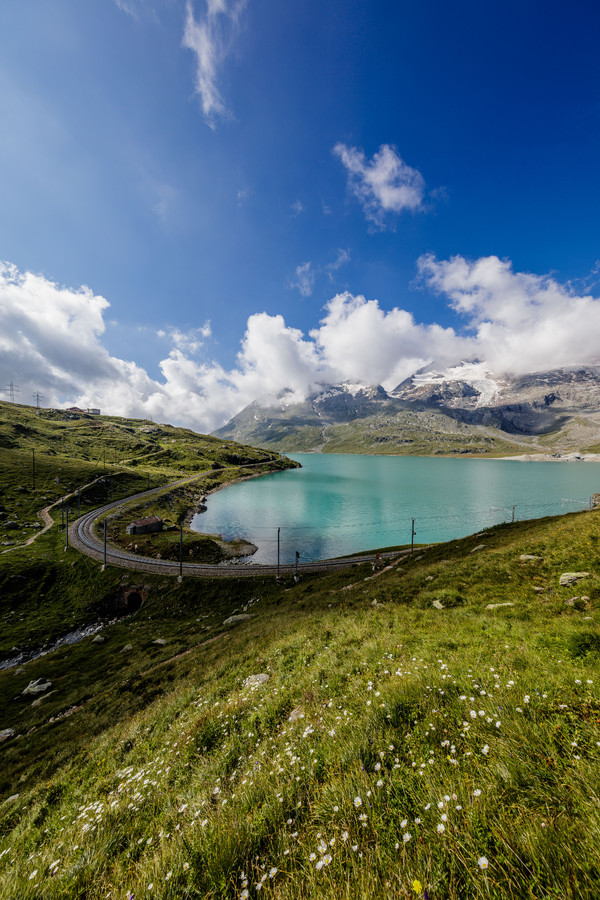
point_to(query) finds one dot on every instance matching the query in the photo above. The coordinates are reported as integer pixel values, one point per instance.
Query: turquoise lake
(339, 504)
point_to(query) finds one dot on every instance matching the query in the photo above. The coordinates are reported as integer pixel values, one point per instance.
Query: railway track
(82, 537)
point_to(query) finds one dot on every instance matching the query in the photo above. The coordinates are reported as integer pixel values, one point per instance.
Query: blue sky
(261, 195)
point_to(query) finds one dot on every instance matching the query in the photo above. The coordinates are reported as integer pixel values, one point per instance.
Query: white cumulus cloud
(362, 342)
(189, 341)
(519, 322)
(383, 184)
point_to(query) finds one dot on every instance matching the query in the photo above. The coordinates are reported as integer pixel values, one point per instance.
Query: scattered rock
(6, 734)
(429, 578)
(98, 639)
(127, 648)
(478, 547)
(233, 620)
(12, 798)
(38, 686)
(579, 603)
(65, 714)
(498, 605)
(437, 604)
(261, 678)
(374, 603)
(40, 700)
(527, 556)
(296, 714)
(539, 590)
(568, 578)
(160, 641)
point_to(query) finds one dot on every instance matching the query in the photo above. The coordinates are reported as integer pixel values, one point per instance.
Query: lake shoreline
(549, 457)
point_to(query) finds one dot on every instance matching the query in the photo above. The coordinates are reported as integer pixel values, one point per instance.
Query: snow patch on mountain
(486, 383)
(354, 389)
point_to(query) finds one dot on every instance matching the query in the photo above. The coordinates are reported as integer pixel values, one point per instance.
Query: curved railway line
(83, 538)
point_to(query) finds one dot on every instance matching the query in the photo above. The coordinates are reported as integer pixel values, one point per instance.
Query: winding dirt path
(44, 514)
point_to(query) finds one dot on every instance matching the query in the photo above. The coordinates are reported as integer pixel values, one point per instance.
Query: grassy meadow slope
(389, 748)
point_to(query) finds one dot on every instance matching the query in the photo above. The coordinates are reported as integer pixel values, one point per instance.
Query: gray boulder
(38, 686)
(233, 620)
(260, 678)
(568, 578)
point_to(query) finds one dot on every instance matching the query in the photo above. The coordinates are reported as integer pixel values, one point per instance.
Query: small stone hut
(145, 526)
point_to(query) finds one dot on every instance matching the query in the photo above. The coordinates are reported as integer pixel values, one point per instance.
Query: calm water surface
(339, 504)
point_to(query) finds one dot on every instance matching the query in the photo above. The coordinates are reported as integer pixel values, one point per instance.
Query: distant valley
(459, 410)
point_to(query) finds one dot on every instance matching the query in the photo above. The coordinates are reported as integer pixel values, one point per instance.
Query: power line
(395, 524)
(12, 389)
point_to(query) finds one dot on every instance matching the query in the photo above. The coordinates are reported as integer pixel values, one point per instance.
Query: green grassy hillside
(390, 748)
(49, 454)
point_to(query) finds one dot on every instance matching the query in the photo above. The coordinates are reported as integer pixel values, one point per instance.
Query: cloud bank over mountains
(51, 341)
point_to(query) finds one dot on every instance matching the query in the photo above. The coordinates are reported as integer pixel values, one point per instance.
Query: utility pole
(412, 536)
(505, 508)
(278, 546)
(181, 552)
(37, 397)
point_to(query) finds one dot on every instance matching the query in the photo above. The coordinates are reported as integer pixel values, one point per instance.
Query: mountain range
(465, 409)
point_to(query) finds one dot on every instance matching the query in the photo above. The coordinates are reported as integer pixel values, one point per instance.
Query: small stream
(73, 637)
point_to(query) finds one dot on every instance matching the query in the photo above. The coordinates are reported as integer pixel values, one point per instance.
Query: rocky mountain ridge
(479, 411)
